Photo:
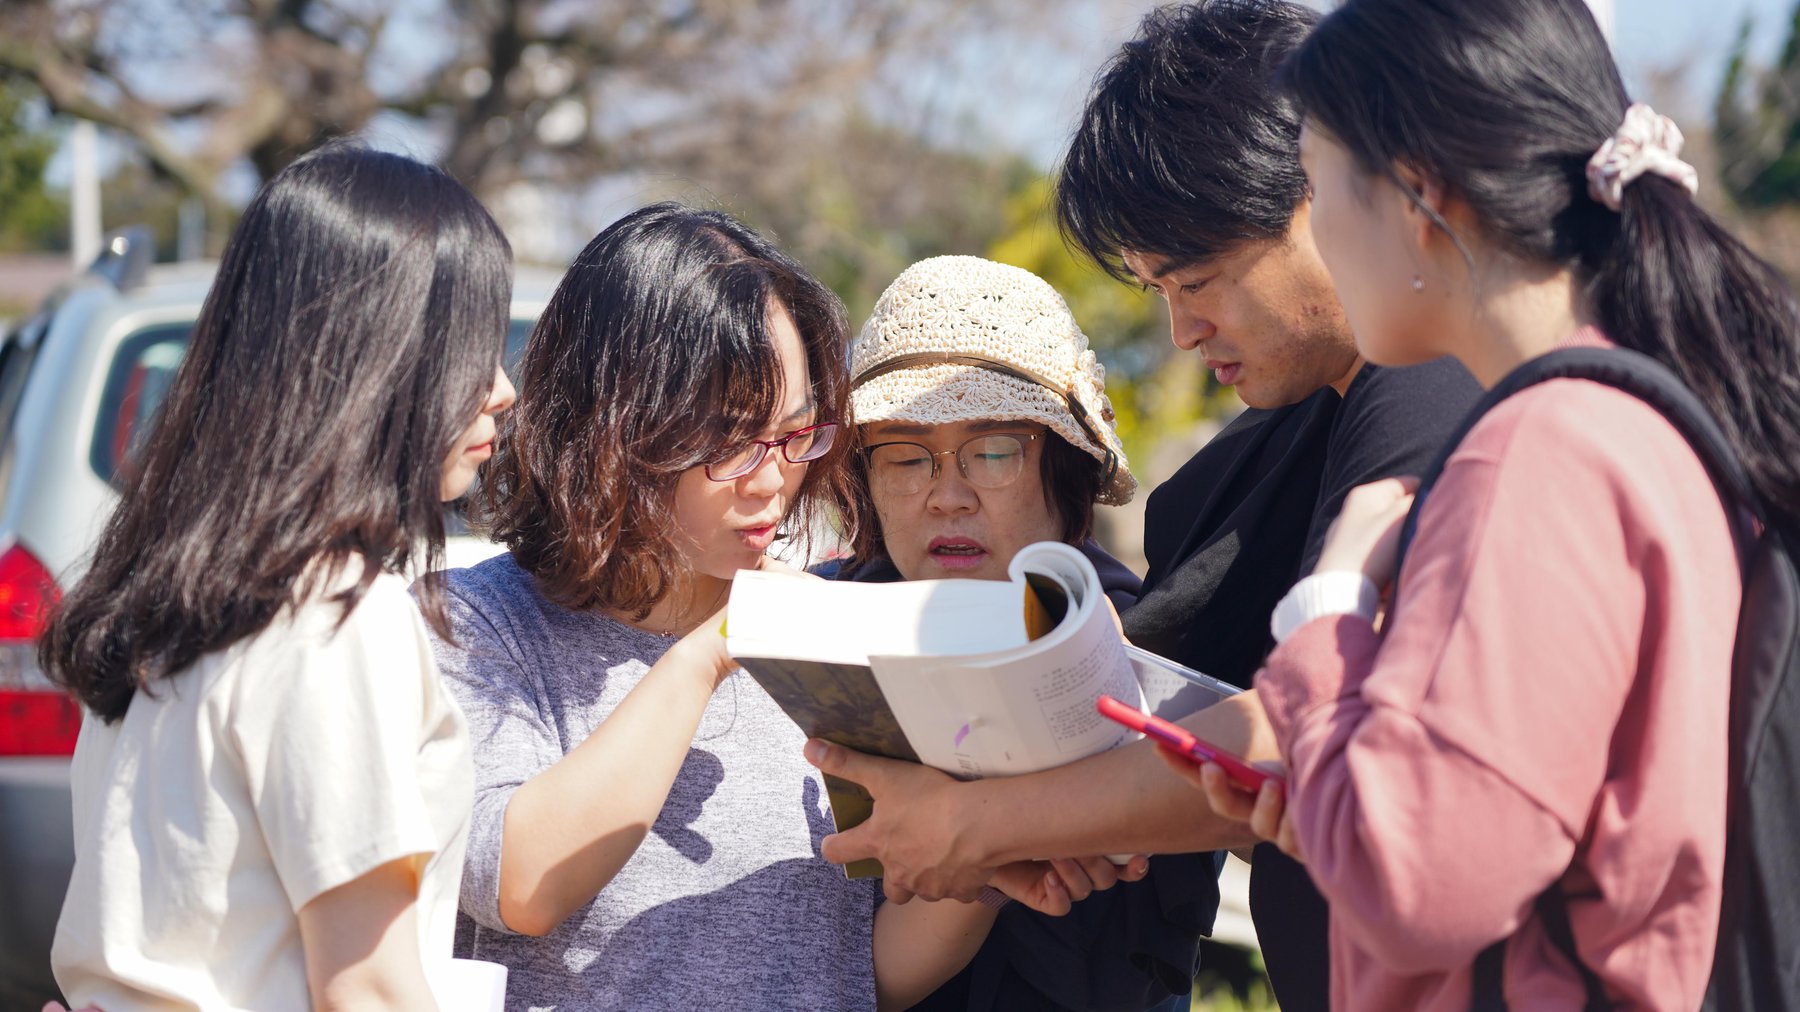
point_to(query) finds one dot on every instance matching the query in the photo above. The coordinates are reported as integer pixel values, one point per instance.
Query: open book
(974, 677)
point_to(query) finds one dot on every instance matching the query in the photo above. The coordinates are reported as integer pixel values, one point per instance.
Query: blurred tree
(1156, 394)
(35, 218)
(1757, 135)
(858, 201)
(134, 192)
(31, 216)
(535, 90)
(1115, 316)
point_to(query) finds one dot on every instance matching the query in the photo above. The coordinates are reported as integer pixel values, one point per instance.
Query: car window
(516, 334)
(16, 358)
(136, 382)
(139, 378)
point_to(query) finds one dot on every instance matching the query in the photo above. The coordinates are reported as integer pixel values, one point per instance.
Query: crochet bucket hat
(959, 338)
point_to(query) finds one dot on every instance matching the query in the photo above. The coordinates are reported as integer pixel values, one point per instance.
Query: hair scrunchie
(1645, 142)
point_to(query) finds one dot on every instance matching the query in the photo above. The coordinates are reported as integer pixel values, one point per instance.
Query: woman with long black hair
(1537, 738)
(272, 785)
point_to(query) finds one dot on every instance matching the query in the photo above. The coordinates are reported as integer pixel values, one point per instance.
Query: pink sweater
(1549, 703)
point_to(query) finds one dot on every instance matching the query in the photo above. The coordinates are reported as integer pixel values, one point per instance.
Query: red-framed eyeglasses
(797, 447)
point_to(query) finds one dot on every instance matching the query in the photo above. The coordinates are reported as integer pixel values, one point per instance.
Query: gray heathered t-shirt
(726, 904)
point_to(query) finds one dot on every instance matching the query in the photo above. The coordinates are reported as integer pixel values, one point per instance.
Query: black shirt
(1230, 533)
(1224, 538)
(1126, 948)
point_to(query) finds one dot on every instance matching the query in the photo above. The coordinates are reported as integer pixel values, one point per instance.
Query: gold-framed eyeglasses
(1109, 461)
(990, 460)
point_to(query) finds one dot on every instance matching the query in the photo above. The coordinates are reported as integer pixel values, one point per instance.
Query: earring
(1418, 284)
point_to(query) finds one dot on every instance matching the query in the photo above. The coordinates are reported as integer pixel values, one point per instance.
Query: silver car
(80, 381)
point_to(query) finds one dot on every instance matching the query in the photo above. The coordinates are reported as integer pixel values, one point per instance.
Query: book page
(1021, 710)
(840, 703)
(977, 678)
(806, 642)
(801, 618)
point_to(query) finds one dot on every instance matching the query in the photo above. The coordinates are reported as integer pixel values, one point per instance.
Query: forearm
(1122, 801)
(372, 987)
(1366, 779)
(570, 829)
(919, 946)
(360, 942)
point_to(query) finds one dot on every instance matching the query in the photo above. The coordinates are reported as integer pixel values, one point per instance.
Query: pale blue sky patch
(989, 91)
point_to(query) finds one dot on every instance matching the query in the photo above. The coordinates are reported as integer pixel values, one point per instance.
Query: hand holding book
(917, 795)
(975, 678)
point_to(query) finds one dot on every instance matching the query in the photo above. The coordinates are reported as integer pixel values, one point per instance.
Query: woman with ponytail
(1543, 714)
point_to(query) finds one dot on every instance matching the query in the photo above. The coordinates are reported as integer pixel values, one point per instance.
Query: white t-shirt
(238, 790)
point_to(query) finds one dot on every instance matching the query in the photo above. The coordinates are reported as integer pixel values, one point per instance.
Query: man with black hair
(1184, 177)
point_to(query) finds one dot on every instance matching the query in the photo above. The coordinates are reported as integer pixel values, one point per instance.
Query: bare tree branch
(66, 86)
(783, 109)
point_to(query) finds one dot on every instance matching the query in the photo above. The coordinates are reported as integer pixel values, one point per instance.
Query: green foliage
(1115, 317)
(136, 194)
(31, 217)
(1155, 394)
(1160, 404)
(1260, 999)
(35, 218)
(1757, 124)
(852, 201)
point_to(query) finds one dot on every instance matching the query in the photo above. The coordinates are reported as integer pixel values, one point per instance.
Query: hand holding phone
(1187, 744)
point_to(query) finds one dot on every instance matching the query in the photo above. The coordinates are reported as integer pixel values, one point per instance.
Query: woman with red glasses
(646, 831)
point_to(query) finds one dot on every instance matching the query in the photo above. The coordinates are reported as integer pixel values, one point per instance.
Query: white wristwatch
(1321, 594)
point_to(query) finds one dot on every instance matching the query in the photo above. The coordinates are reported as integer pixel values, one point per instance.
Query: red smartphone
(1184, 742)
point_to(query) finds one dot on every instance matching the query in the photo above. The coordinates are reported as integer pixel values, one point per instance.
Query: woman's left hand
(1084, 876)
(1264, 811)
(1365, 537)
(1051, 887)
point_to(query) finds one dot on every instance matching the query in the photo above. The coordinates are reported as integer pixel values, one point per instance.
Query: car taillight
(35, 717)
(27, 592)
(38, 723)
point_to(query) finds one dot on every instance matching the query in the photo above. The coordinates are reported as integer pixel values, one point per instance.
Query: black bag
(1757, 964)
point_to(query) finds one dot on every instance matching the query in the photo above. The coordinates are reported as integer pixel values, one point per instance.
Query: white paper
(468, 985)
(846, 623)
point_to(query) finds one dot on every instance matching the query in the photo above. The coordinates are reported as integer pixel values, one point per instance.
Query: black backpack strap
(1553, 910)
(1633, 372)
(1650, 381)
(1489, 991)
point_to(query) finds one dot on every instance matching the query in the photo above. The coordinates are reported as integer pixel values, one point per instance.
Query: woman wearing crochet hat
(984, 427)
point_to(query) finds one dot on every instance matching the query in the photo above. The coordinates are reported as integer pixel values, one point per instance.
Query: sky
(1648, 35)
(1019, 94)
